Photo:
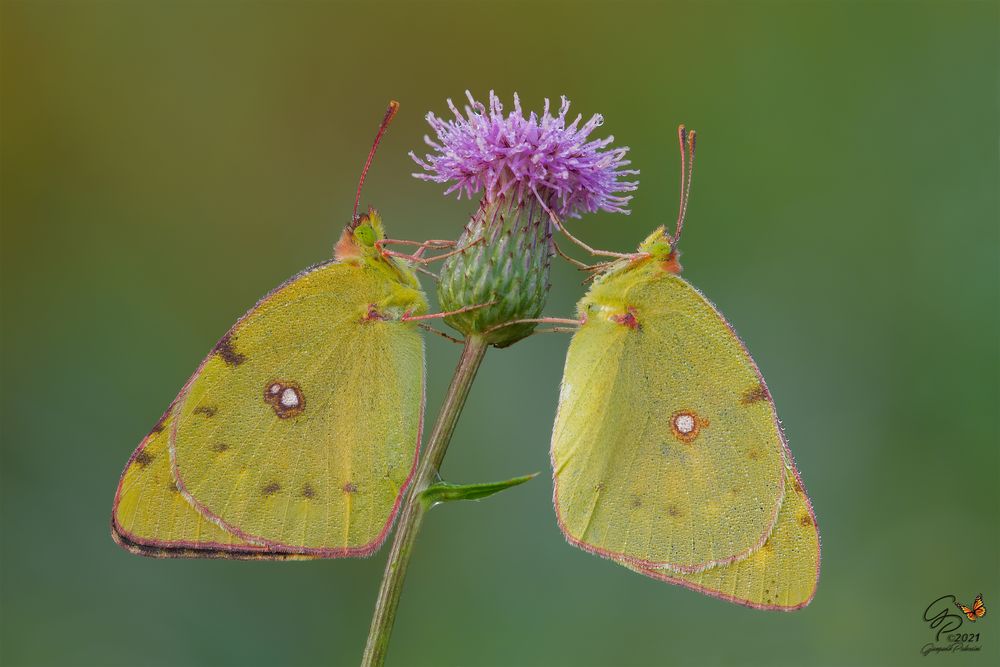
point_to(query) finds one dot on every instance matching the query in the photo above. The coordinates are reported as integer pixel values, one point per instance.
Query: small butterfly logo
(978, 608)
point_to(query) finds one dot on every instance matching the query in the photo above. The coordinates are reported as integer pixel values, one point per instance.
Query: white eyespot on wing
(285, 397)
(289, 398)
(684, 423)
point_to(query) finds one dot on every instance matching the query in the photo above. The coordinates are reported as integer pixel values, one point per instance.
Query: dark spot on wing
(144, 458)
(172, 486)
(224, 348)
(753, 455)
(673, 510)
(308, 491)
(207, 410)
(271, 489)
(636, 500)
(350, 487)
(220, 447)
(161, 424)
(754, 394)
(805, 520)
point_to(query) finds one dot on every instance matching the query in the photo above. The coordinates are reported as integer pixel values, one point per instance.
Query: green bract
(508, 249)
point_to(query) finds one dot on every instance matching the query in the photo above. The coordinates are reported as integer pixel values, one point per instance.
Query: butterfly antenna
(389, 113)
(686, 140)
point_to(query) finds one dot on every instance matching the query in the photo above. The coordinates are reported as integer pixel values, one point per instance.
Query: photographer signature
(939, 616)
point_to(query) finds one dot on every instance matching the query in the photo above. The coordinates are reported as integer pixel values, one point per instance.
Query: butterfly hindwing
(666, 448)
(781, 575)
(151, 517)
(300, 431)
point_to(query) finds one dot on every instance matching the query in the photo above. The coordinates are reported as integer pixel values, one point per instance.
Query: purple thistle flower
(539, 155)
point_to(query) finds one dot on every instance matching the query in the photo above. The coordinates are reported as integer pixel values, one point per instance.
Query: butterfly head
(361, 244)
(359, 239)
(662, 249)
(368, 231)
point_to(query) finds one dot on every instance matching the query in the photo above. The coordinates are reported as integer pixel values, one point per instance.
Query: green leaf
(445, 492)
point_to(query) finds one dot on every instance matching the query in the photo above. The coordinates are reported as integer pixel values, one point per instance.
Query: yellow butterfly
(667, 452)
(978, 608)
(297, 435)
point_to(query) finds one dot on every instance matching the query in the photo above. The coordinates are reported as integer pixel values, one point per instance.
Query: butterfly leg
(539, 320)
(424, 271)
(417, 258)
(593, 251)
(436, 244)
(427, 327)
(433, 316)
(583, 266)
(596, 270)
(456, 251)
(554, 330)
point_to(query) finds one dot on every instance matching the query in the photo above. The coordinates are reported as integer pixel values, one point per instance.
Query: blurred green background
(166, 163)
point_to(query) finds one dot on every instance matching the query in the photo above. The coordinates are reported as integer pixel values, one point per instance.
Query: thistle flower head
(538, 155)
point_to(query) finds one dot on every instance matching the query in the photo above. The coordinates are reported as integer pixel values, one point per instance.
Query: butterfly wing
(298, 434)
(781, 575)
(151, 517)
(978, 607)
(666, 448)
(965, 610)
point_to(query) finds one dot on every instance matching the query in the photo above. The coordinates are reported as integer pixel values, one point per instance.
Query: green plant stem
(413, 511)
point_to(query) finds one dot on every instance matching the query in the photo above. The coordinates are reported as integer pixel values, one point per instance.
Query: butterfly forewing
(300, 431)
(666, 448)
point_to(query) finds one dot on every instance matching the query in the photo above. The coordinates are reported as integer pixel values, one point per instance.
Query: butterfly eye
(658, 244)
(662, 248)
(365, 234)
